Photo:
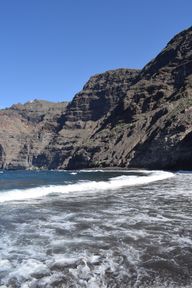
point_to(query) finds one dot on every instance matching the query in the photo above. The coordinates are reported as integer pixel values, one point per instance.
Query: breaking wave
(145, 177)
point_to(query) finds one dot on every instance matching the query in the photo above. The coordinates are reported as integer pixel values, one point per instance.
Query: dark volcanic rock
(148, 126)
(97, 99)
(100, 95)
(124, 117)
(25, 131)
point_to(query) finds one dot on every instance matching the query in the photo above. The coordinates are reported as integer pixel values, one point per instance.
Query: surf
(85, 186)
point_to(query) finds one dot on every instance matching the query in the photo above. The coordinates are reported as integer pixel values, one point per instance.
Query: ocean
(95, 229)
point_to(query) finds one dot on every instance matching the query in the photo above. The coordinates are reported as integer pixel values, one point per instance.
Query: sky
(50, 48)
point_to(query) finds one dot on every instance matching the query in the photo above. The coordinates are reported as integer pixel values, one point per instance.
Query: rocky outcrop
(83, 115)
(150, 126)
(25, 131)
(123, 117)
(100, 95)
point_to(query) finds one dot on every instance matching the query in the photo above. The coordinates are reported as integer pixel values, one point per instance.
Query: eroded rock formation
(124, 117)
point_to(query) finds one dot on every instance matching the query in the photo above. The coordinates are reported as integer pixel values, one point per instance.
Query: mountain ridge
(123, 117)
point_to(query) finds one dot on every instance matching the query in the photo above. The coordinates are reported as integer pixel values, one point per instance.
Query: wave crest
(85, 186)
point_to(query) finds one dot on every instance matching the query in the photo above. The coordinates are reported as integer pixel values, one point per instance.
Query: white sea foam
(93, 170)
(85, 186)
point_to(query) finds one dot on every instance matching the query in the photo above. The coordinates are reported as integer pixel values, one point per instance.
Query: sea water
(95, 229)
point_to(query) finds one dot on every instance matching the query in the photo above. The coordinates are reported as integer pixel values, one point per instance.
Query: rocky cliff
(25, 131)
(125, 117)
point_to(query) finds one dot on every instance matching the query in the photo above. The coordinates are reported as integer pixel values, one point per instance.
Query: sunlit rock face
(123, 117)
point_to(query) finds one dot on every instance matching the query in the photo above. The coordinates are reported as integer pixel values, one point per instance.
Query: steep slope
(123, 117)
(100, 95)
(152, 125)
(41, 134)
(25, 130)
(83, 115)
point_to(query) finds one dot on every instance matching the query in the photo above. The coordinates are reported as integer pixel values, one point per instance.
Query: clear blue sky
(49, 48)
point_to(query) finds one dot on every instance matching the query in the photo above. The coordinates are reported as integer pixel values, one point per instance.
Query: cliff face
(125, 117)
(151, 126)
(100, 95)
(83, 115)
(25, 131)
